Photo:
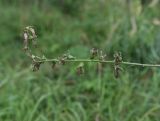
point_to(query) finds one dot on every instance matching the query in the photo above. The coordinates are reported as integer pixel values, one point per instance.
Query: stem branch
(110, 62)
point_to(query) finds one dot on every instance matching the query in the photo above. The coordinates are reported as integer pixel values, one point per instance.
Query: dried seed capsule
(62, 61)
(25, 37)
(117, 70)
(93, 53)
(36, 66)
(80, 69)
(117, 61)
(33, 36)
(102, 57)
(117, 58)
(33, 32)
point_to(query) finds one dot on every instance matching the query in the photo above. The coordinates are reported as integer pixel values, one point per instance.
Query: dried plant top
(96, 56)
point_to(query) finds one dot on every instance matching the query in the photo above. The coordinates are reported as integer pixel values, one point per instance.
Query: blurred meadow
(75, 26)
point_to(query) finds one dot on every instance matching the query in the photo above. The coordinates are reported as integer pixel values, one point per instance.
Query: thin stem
(141, 64)
(110, 62)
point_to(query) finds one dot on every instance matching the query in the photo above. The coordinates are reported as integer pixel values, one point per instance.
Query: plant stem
(141, 64)
(110, 62)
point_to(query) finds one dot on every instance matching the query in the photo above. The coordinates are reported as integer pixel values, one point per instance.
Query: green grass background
(77, 26)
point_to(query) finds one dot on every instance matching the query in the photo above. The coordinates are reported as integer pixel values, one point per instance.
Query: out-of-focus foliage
(75, 26)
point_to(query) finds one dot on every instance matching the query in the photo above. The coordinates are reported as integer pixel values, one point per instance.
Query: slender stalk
(141, 64)
(110, 62)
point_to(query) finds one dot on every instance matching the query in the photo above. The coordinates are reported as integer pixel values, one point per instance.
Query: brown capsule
(62, 61)
(117, 71)
(36, 66)
(80, 69)
(117, 58)
(93, 53)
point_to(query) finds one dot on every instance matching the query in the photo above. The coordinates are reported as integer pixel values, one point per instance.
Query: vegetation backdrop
(75, 26)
